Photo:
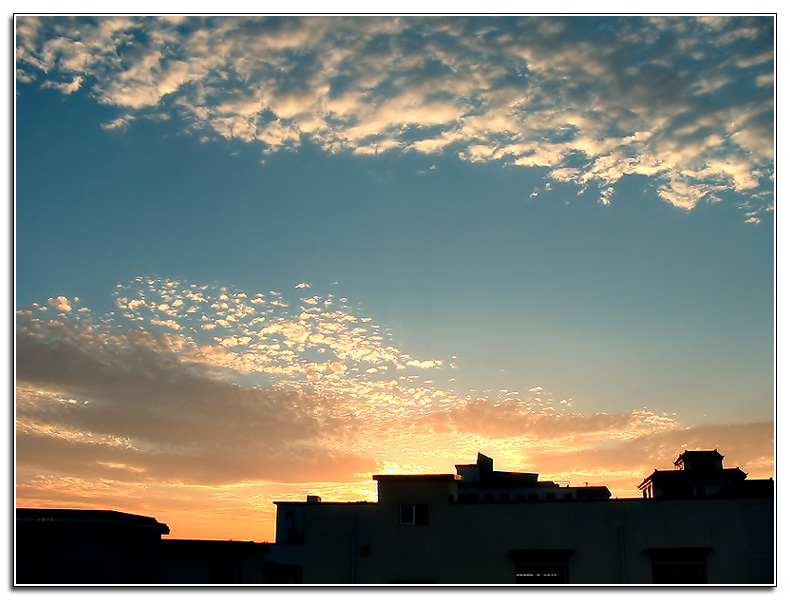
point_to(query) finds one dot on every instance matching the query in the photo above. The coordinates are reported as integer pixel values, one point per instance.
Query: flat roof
(419, 478)
(323, 502)
(80, 516)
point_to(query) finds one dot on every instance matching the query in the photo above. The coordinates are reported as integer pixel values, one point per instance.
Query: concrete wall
(469, 543)
(85, 553)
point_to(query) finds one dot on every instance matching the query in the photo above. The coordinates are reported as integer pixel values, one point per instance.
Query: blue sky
(392, 240)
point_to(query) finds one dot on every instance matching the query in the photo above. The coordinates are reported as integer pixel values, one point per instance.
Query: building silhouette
(71, 546)
(480, 526)
(105, 547)
(700, 474)
(700, 523)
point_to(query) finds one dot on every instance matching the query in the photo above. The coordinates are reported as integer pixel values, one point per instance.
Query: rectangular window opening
(413, 514)
(679, 565)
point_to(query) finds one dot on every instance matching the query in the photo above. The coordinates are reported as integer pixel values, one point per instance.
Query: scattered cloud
(295, 385)
(60, 303)
(686, 101)
(297, 388)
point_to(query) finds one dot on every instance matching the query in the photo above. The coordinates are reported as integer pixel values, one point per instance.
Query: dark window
(679, 571)
(550, 496)
(364, 551)
(533, 496)
(567, 496)
(413, 514)
(520, 497)
(678, 565)
(289, 513)
(541, 566)
(407, 514)
(420, 514)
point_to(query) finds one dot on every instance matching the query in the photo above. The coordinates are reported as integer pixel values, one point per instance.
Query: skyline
(263, 257)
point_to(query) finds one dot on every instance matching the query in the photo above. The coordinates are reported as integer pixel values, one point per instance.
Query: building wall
(211, 562)
(470, 543)
(85, 553)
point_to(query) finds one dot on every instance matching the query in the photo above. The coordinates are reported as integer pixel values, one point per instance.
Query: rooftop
(89, 517)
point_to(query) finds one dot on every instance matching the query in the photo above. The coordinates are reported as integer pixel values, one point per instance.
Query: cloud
(67, 87)
(60, 303)
(599, 97)
(81, 405)
(292, 383)
(148, 414)
(511, 418)
(163, 401)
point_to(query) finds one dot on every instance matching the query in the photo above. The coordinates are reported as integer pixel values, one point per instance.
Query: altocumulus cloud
(685, 101)
(80, 406)
(308, 391)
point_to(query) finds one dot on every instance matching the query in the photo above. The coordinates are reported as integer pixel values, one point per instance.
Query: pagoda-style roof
(699, 457)
(723, 476)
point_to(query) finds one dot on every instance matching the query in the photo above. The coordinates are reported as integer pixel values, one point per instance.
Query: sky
(263, 257)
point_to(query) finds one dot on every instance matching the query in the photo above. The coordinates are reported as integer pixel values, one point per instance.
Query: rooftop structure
(479, 482)
(699, 474)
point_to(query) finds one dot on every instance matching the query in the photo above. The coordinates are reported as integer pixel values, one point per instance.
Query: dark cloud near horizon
(144, 409)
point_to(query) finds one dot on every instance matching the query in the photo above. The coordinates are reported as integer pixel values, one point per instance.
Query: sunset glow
(264, 257)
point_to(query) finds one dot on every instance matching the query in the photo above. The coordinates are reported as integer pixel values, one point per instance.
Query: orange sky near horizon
(245, 511)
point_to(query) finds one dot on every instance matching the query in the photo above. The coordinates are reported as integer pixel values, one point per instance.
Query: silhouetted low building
(212, 562)
(72, 546)
(481, 526)
(105, 547)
